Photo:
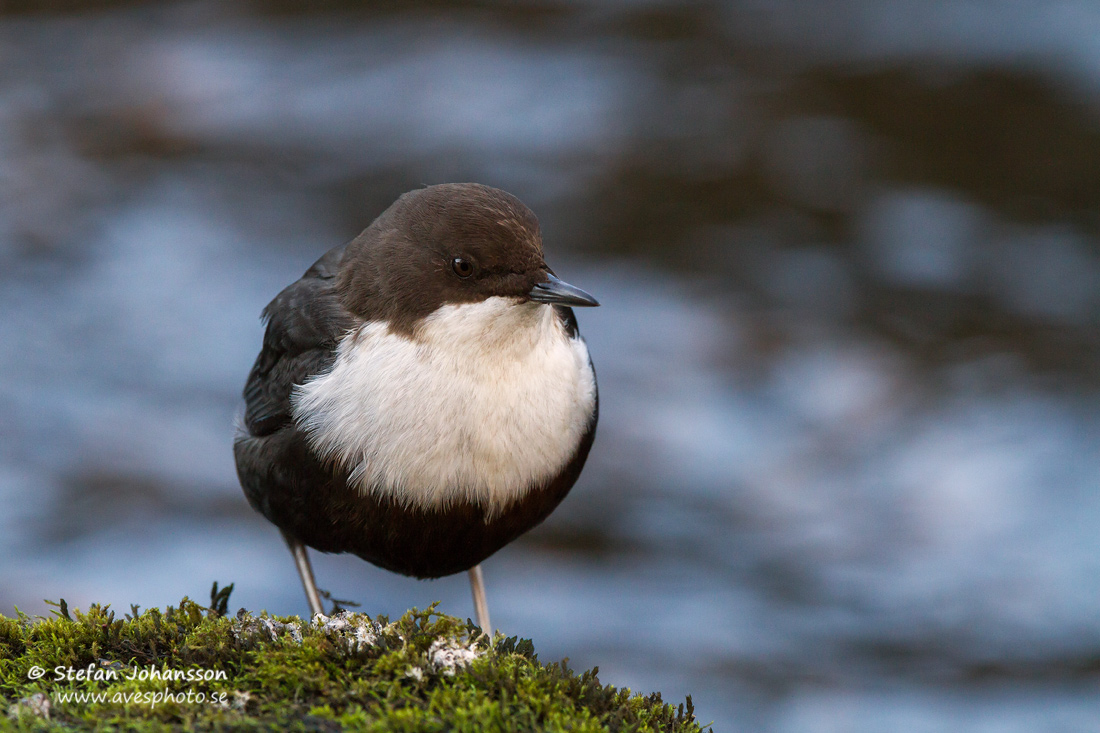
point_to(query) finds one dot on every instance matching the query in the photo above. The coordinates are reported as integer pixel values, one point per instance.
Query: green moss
(423, 672)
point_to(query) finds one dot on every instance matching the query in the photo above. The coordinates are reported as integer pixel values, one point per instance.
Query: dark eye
(462, 268)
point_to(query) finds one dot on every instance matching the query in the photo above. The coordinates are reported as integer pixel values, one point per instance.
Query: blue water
(847, 470)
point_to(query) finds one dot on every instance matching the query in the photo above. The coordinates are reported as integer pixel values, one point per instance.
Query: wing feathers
(304, 323)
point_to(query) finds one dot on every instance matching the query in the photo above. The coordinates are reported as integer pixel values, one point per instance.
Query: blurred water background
(847, 476)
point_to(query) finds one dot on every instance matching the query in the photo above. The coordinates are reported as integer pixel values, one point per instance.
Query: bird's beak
(560, 293)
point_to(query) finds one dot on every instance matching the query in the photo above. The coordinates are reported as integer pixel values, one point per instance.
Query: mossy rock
(192, 667)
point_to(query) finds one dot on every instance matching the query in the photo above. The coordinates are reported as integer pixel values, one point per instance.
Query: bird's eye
(462, 267)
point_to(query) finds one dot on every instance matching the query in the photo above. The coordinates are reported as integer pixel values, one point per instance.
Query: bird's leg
(481, 605)
(305, 571)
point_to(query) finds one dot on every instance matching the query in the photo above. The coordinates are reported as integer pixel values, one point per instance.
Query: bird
(423, 395)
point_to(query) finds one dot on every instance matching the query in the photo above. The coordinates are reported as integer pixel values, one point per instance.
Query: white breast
(488, 400)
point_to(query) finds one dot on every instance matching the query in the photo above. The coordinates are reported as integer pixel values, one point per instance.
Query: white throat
(487, 401)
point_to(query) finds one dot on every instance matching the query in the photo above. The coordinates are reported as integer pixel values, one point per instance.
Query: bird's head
(449, 244)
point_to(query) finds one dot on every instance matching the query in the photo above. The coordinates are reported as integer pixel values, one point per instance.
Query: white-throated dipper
(422, 396)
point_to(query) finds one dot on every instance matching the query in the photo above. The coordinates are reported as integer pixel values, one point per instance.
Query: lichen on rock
(356, 631)
(423, 671)
(37, 705)
(446, 655)
(249, 629)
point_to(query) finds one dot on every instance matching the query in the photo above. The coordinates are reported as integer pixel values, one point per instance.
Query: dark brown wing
(305, 322)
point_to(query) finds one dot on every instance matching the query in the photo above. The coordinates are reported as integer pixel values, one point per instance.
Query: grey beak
(560, 293)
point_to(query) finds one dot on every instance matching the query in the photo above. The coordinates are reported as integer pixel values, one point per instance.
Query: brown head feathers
(446, 244)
